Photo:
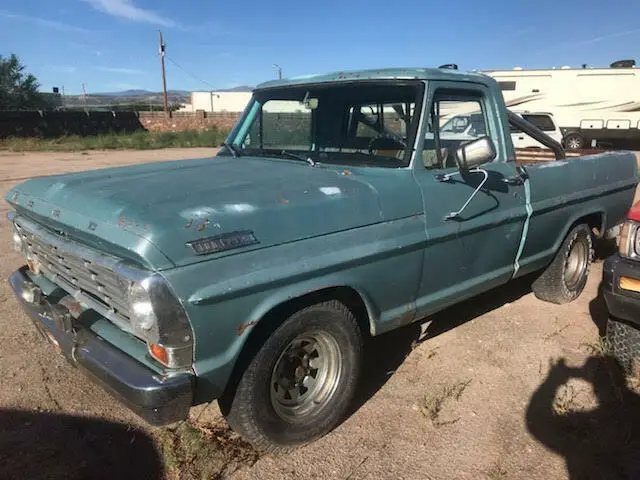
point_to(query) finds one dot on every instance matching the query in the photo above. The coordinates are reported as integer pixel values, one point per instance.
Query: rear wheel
(565, 277)
(574, 141)
(624, 342)
(300, 384)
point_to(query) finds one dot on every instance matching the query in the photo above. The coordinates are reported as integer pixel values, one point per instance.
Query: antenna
(449, 66)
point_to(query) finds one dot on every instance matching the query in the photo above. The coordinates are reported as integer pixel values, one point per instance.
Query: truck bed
(533, 156)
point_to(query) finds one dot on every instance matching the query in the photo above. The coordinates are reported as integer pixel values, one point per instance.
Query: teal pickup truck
(335, 210)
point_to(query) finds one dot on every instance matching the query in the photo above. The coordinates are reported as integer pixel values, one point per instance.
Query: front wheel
(300, 384)
(565, 277)
(624, 343)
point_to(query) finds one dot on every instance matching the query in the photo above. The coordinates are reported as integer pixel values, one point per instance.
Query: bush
(141, 140)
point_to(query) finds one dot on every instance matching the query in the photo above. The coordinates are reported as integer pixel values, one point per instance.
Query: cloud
(122, 86)
(590, 41)
(225, 55)
(127, 10)
(126, 71)
(63, 68)
(63, 27)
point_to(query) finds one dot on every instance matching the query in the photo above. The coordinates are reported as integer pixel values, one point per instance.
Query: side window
(461, 118)
(543, 122)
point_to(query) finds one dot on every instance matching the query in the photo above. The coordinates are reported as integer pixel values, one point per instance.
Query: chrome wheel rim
(574, 143)
(575, 265)
(306, 375)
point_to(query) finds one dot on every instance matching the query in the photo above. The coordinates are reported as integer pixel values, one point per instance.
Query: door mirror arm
(447, 177)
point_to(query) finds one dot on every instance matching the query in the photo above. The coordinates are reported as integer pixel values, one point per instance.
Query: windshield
(362, 123)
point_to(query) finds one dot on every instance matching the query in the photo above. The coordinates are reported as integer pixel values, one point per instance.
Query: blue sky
(113, 44)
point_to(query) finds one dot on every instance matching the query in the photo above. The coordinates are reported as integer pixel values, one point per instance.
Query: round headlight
(17, 241)
(158, 318)
(636, 242)
(143, 318)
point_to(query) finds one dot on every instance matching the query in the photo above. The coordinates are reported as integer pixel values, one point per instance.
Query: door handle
(517, 180)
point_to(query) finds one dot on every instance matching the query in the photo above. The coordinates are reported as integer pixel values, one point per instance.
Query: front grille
(80, 271)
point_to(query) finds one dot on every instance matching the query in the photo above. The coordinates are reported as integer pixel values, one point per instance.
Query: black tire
(258, 414)
(574, 141)
(623, 341)
(565, 277)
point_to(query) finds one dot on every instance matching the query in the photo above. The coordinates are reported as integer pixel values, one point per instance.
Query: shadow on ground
(599, 312)
(41, 445)
(601, 443)
(384, 354)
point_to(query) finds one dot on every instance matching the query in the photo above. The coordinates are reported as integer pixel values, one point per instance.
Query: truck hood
(151, 212)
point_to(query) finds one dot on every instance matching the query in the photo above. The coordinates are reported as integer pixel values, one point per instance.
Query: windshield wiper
(309, 160)
(235, 151)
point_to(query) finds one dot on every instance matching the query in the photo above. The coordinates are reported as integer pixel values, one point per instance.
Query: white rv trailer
(592, 106)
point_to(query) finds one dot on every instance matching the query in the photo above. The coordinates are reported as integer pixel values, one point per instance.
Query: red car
(621, 290)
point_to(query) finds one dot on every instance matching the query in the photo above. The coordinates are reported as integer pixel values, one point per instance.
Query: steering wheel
(385, 142)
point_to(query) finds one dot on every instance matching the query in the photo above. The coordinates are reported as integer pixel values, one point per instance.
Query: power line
(188, 73)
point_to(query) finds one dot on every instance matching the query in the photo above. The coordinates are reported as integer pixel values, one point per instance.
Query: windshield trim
(418, 141)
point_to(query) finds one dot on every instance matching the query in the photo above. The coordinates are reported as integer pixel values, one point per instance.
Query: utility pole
(279, 71)
(164, 78)
(84, 97)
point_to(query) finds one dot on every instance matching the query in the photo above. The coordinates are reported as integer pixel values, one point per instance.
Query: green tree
(18, 90)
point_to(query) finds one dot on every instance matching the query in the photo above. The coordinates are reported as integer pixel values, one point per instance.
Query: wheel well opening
(595, 222)
(274, 318)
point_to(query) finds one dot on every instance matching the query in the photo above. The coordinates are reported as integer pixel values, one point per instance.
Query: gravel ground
(476, 392)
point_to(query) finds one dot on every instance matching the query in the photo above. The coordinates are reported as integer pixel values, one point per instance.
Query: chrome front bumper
(158, 399)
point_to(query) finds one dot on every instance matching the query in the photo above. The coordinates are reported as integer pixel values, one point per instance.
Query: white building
(217, 101)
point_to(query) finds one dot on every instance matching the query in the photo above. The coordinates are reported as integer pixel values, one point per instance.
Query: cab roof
(442, 74)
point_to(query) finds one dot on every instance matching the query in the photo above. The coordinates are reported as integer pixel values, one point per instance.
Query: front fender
(226, 298)
(297, 291)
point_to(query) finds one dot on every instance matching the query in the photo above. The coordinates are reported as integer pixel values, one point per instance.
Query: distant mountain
(146, 93)
(129, 97)
(241, 88)
(139, 93)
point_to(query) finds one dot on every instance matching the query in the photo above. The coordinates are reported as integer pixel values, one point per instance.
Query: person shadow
(598, 443)
(53, 445)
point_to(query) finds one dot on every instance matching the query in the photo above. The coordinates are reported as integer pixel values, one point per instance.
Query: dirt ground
(500, 387)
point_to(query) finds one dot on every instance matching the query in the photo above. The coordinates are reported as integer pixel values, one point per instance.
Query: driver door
(477, 249)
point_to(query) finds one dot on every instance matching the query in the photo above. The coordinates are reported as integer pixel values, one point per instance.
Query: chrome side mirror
(475, 153)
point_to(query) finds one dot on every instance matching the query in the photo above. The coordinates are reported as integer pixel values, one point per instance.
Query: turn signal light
(159, 353)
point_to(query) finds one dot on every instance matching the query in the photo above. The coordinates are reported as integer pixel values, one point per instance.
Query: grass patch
(497, 472)
(141, 140)
(195, 451)
(566, 401)
(600, 348)
(433, 403)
